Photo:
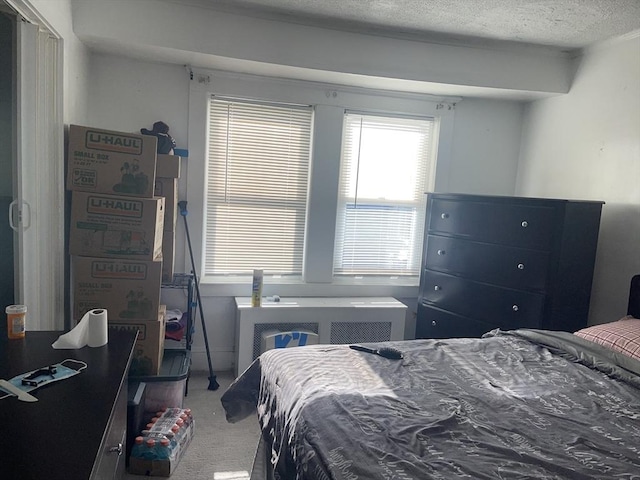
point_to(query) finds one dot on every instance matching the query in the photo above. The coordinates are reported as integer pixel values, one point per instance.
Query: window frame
(330, 104)
(245, 186)
(359, 203)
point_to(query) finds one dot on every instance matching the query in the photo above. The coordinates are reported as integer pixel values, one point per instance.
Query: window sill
(295, 287)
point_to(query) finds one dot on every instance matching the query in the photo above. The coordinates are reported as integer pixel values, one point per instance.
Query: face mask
(29, 381)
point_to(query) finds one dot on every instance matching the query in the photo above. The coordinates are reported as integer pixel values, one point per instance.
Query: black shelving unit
(185, 281)
(176, 362)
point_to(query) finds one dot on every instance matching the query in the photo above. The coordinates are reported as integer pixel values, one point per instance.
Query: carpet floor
(218, 450)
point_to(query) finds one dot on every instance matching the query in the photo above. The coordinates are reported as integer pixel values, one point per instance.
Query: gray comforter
(525, 404)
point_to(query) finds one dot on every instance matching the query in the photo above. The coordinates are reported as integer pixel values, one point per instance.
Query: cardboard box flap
(168, 166)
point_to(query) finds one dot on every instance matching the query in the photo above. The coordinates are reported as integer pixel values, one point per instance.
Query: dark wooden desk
(69, 432)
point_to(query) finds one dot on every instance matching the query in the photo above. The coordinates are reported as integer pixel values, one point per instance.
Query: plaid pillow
(623, 335)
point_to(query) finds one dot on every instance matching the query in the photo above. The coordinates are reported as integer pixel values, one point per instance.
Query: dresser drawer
(435, 323)
(518, 268)
(499, 306)
(110, 463)
(507, 224)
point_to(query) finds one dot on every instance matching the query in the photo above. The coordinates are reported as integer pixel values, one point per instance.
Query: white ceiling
(535, 32)
(563, 24)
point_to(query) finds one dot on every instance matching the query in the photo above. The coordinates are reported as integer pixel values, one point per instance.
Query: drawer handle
(441, 252)
(521, 266)
(444, 216)
(524, 224)
(437, 287)
(433, 323)
(515, 308)
(117, 449)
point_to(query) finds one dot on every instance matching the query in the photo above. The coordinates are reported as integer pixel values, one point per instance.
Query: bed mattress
(521, 404)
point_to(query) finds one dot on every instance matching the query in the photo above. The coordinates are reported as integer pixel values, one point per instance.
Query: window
(385, 168)
(256, 186)
(280, 176)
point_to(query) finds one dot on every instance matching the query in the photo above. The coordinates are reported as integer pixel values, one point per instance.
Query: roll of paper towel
(92, 330)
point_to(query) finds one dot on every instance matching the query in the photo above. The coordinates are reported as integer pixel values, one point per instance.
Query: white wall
(586, 145)
(126, 95)
(75, 58)
(486, 137)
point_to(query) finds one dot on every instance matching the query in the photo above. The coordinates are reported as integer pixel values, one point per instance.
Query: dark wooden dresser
(505, 262)
(76, 429)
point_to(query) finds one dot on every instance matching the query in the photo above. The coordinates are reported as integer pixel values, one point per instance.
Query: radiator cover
(335, 320)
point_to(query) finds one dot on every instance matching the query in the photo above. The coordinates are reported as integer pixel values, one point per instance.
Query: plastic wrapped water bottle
(138, 447)
(149, 451)
(175, 439)
(163, 449)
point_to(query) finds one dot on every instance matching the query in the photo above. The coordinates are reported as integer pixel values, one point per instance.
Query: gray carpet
(218, 450)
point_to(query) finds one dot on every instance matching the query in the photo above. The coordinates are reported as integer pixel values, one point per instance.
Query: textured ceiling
(565, 24)
(525, 48)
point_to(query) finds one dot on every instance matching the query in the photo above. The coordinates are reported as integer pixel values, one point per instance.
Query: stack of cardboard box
(166, 185)
(115, 238)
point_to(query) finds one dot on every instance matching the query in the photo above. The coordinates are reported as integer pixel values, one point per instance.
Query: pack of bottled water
(159, 447)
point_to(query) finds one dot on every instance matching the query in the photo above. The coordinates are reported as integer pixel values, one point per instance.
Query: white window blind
(385, 168)
(257, 178)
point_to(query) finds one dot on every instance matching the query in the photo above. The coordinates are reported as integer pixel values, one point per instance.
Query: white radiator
(335, 320)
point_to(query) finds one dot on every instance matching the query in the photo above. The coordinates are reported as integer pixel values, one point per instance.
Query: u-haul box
(149, 348)
(128, 289)
(168, 189)
(168, 166)
(112, 226)
(168, 255)
(296, 338)
(106, 161)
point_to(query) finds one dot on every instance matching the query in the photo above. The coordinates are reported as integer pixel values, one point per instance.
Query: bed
(514, 404)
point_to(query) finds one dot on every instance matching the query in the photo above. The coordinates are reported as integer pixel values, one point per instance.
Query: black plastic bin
(170, 386)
